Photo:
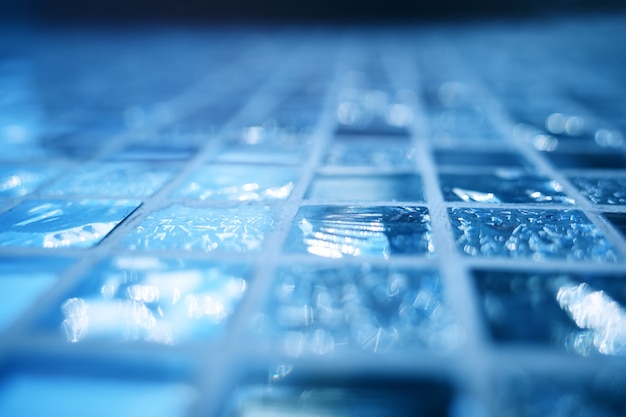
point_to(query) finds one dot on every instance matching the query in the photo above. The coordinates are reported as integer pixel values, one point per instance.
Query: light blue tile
(35, 396)
(17, 180)
(378, 154)
(25, 279)
(338, 231)
(165, 301)
(405, 187)
(503, 187)
(240, 183)
(180, 227)
(535, 234)
(113, 179)
(56, 224)
(323, 310)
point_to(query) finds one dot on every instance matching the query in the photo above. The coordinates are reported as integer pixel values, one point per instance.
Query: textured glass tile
(405, 187)
(56, 224)
(336, 231)
(320, 310)
(450, 158)
(152, 299)
(529, 395)
(239, 182)
(21, 180)
(587, 160)
(502, 187)
(536, 234)
(266, 154)
(48, 395)
(240, 229)
(602, 190)
(618, 220)
(582, 314)
(154, 153)
(25, 279)
(113, 179)
(359, 396)
(381, 154)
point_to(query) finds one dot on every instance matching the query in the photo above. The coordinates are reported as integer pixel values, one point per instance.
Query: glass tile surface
(535, 395)
(69, 396)
(208, 229)
(618, 220)
(113, 179)
(18, 180)
(457, 158)
(503, 187)
(239, 183)
(602, 190)
(25, 279)
(404, 187)
(56, 223)
(609, 161)
(363, 397)
(584, 314)
(321, 310)
(346, 153)
(338, 231)
(157, 300)
(529, 233)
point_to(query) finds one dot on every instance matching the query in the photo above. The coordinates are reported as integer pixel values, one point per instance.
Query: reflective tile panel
(57, 224)
(239, 183)
(587, 160)
(529, 233)
(20, 180)
(359, 396)
(584, 314)
(468, 158)
(338, 231)
(369, 153)
(322, 310)
(113, 179)
(618, 220)
(503, 187)
(404, 187)
(208, 229)
(533, 395)
(602, 190)
(54, 395)
(165, 301)
(25, 280)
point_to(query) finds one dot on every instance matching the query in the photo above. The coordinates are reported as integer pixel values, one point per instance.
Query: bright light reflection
(477, 196)
(597, 312)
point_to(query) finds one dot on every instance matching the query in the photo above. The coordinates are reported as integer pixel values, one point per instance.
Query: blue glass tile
(361, 395)
(581, 314)
(387, 154)
(502, 187)
(266, 154)
(150, 299)
(48, 395)
(321, 310)
(458, 158)
(56, 224)
(154, 153)
(240, 229)
(535, 234)
(405, 187)
(336, 231)
(618, 220)
(113, 179)
(25, 279)
(602, 190)
(240, 183)
(534, 395)
(20, 180)
(588, 160)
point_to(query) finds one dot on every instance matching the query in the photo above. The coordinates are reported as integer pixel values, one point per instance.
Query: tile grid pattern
(479, 359)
